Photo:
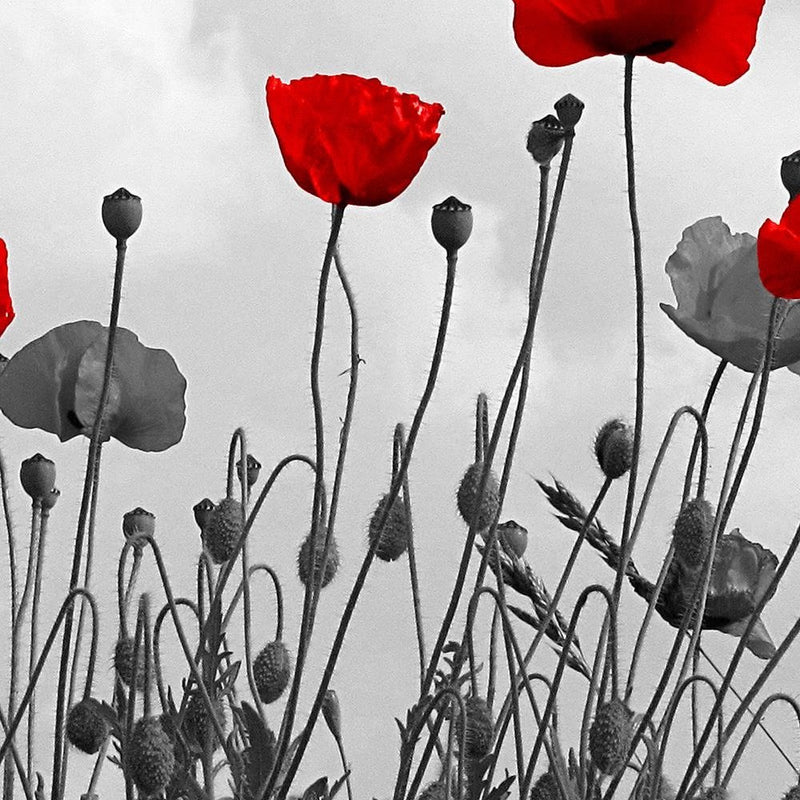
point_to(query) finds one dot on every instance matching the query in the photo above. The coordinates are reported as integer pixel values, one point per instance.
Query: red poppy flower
(779, 253)
(6, 308)
(712, 38)
(54, 384)
(351, 140)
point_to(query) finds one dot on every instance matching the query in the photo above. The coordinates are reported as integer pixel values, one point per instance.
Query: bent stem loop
(162, 693)
(452, 260)
(754, 723)
(91, 480)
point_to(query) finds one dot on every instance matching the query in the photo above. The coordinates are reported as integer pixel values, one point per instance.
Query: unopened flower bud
(38, 476)
(614, 448)
(513, 536)
(332, 713)
(122, 214)
(610, 736)
(569, 110)
(790, 173)
(253, 468)
(49, 500)
(479, 728)
(692, 533)
(138, 521)
(545, 139)
(451, 222)
(202, 512)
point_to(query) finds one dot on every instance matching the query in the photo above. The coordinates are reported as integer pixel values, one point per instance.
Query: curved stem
(89, 483)
(162, 693)
(368, 558)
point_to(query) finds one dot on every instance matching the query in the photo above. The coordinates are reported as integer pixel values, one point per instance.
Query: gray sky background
(168, 101)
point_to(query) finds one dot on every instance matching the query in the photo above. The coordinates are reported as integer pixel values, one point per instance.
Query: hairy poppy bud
(394, 537)
(202, 512)
(479, 730)
(138, 521)
(514, 537)
(569, 110)
(309, 566)
(122, 214)
(434, 791)
(610, 736)
(470, 506)
(692, 533)
(253, 468)
(451, 222)
(790, 173)
(332, 713)
(272, 669)
(225, 526)
(86, 727)
(123, 662)
(545, 139)
(613, 447)
(196, 721)
(149, 756)
(545, 788)
(38, 476)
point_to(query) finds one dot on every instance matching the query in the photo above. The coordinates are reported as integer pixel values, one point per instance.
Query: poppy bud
(514, 537)
(225, 526)
(332, 713)
(434, 791)
(38, 476)
(613, 447)
(692, 533)
(545, 788)
(253, 468)
(470, 506)
(138, 521)
(150, 756)
(202, 512)
(196, 721)
(49, 500)
(395, 534)
(308, 566)
(569, 110)
(790, 173)
(86, 727)
(545, 139)
(122, 214)
(480, 728)
(272, 670)
(451, 222)
(610, 736)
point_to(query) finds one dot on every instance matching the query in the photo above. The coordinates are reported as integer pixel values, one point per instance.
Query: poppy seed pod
(479, 730)
(332, 713)
(613, 447)
(451, 223)
(202, 512)
(306, 570)
(470, 506)
(395, 534)
(122, 214)
(790, 173)
(38, 476)
(225, 526)
(138, 521)
(253, 468)
(569, 109)
(272, 669)
(150, 757)
(692, 533)
(514, 537)
(610, 736)
(545, 139)
(86, 727)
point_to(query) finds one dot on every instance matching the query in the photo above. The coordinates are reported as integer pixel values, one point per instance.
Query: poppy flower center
(644, 27)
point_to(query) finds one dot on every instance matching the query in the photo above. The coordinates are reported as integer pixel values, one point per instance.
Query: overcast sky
(167, 100)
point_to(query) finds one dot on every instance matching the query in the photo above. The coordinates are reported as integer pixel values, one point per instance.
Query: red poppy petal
(6, 307)
(348, 139)
(718, 47)
(551, 35)
(779, 260)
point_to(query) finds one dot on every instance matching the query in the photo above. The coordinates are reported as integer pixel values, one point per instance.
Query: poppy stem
(89, 487)
(637, 271)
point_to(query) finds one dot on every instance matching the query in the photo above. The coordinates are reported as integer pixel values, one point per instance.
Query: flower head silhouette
(779, 254)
